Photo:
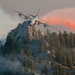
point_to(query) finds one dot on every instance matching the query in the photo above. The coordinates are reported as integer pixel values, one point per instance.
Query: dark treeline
(62, 44)
(61, 39)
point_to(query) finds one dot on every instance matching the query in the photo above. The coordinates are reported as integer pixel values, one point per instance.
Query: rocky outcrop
(23, 34)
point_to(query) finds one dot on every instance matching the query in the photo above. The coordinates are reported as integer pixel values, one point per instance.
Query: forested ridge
(62, 51)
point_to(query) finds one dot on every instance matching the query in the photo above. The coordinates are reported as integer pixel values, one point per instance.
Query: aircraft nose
(29, 22)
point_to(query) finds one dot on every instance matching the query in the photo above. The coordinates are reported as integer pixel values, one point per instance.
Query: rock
(22, 35)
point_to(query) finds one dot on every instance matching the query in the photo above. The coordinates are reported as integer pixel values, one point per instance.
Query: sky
(58, 13)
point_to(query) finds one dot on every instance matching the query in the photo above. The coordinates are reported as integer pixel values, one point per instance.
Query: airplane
(34, 20)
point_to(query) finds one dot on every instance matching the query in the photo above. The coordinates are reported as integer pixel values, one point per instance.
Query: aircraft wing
(40, 22)
(47, 25)
(32, 15)
(15, 10)
(43, 22)
(52, 26)
(26, 16)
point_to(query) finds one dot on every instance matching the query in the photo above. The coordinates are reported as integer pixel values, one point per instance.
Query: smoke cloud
(7, 22)
(64, 17)
(10, 65)
(13, 65)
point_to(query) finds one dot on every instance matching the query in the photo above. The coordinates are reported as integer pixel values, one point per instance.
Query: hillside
(28, 52)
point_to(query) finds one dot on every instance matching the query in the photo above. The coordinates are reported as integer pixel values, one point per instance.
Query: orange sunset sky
(64, 17)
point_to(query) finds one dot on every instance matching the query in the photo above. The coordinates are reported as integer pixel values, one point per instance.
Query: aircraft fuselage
(33, 21)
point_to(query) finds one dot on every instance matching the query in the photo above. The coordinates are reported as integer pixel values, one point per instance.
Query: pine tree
(69, 60)
(61, 39)
(73, 56)
(71, 39)
(66, 38)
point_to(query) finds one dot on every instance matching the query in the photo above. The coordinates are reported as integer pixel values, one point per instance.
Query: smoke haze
(7, 22)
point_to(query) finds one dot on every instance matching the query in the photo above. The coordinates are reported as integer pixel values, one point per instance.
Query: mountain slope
(22, 35)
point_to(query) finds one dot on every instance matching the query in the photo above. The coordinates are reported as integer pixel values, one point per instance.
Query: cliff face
(23, 34)
(24, 30)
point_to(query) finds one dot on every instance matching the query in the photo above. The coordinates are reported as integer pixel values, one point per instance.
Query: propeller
(19, 13)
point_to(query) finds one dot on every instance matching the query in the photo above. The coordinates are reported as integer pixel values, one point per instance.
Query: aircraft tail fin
(37, 12)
